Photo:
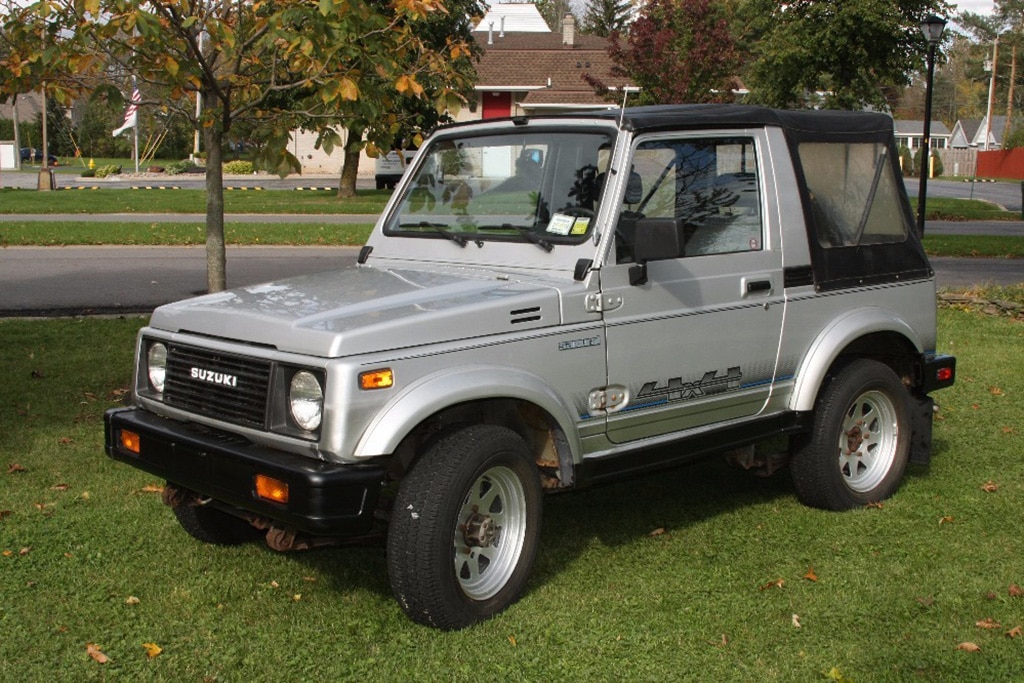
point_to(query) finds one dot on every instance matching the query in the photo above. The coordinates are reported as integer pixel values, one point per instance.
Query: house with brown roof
(523, 73)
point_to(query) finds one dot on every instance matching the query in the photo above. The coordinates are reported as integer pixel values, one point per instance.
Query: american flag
(131, 113)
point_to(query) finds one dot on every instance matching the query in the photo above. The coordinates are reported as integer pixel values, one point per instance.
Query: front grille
(230, 388)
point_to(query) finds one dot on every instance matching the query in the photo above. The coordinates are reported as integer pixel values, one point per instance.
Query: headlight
(306, 400)
(156, 366)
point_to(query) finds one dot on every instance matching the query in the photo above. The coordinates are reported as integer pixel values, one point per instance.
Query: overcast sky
(976, 6)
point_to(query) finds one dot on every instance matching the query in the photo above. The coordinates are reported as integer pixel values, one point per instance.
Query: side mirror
(657, 239)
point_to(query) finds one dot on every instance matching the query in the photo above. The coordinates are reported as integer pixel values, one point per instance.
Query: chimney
(490, 33)
(569, 31)
(501, 33)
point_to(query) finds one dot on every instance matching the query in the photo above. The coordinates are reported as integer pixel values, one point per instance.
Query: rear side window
(854, 195)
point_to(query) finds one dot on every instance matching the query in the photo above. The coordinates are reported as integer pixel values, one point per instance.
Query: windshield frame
(427, 205)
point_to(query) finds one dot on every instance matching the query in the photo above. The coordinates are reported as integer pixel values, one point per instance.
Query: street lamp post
(932, 27)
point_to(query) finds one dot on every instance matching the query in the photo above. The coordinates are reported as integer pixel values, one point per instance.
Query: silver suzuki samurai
(546, 303)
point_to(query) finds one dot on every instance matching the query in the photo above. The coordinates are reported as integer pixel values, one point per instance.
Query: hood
(363, 309)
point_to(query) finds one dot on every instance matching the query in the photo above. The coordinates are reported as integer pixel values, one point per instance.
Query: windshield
(541, 187)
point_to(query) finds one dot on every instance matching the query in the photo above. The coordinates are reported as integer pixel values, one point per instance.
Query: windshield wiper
(530, 236)
(442, 230)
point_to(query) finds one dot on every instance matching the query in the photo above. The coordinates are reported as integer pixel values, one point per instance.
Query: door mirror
(658, 239)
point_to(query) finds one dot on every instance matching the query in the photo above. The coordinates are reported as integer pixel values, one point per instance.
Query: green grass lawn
(189, 201)
(40, 233)
(695, 574)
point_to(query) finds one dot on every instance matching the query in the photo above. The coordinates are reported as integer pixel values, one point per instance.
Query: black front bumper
(324, 498)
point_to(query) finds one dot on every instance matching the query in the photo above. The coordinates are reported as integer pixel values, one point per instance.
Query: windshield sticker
(580, 226)
(561, 224)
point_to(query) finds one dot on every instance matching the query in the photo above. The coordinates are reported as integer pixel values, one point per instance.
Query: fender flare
(833, 340)
(437, 391)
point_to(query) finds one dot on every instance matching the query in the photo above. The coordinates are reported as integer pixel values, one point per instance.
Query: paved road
(91, 280)
(109, 280)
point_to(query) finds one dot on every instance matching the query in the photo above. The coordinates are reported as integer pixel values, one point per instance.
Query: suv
(546, 303)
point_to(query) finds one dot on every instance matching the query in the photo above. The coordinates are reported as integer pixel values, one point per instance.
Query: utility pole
(991, 92)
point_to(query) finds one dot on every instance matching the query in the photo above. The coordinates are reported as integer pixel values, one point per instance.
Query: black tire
(857, 449)
(210, 525)
(451, 563)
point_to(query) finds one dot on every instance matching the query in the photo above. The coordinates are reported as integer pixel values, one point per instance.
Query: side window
(853, 194)
(709, 185)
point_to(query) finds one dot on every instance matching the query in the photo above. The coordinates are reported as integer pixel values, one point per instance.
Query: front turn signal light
(130, 441)
(271, 489)
(377, 379)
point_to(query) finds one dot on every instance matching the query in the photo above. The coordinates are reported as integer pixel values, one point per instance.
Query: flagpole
(135, 129)
(135, 145)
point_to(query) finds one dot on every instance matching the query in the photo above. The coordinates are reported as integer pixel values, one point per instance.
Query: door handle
(758, 287)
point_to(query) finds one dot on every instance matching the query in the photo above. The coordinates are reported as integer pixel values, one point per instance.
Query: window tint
(853, 193)
(709, 185)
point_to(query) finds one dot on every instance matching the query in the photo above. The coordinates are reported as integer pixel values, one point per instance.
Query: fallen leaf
(719, 643)
(25, 551)
(875, 505)
(15, 468)
(65, 440)
(1016, 591)
(810, 575)
(926, 602)
(944, 520)
(988, 623)
(152, 488)
(38, 374)
(1008, 430)
(152, 649)
(991, 595)
(1015, 632)
(96, 653)
(6, 513)
(835, 674)
(969, 647)
(777, 583)
(309, 579)
(995, 391)
(275, 584)
(7, 552)
(657, 532)
(297, 597)
(512, 640)
(796, 621)
(990, 486)
(132, 600)
(60, 487)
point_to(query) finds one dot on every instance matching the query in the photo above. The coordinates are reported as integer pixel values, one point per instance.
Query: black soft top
(807, 121)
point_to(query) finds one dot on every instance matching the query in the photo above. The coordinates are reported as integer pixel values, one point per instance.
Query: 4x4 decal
(675, 389)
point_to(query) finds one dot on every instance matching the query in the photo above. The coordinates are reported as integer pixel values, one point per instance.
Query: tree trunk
(216, 263)
(350, 164)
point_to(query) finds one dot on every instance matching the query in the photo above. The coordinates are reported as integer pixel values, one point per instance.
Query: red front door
(496, 104)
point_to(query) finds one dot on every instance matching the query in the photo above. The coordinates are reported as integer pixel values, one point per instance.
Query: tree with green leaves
(840, 54)
(676, 51)
(605, 17)
(247, 59)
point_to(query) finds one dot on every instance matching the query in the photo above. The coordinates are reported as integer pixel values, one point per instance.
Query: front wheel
(857, 449)
(465, 527)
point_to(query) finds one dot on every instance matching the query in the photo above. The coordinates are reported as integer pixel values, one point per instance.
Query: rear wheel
(858, 447)
(465, 527)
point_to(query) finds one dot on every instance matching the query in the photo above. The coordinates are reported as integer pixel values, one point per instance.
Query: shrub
(88, 173)
(108, 170)
(176, 167)
(906, 160)
(238, 167)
